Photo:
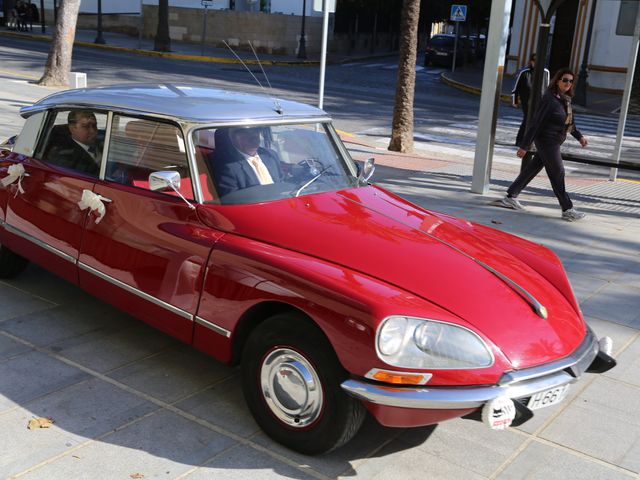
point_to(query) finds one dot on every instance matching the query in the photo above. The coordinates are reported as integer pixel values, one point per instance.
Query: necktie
(264, 177)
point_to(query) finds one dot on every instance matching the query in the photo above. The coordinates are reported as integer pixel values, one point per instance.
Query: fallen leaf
(40, 422)
(137, 475)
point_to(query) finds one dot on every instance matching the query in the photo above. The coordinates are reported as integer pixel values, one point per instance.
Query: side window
(74, 140)
(139, 147)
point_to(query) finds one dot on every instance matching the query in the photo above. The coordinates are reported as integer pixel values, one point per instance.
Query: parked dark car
(440, 48)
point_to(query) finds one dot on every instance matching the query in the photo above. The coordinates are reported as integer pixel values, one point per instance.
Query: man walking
(521, 93)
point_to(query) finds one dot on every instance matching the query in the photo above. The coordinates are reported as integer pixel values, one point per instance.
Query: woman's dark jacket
(548, 123)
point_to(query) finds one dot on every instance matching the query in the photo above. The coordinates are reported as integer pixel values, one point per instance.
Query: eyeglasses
(567, 80)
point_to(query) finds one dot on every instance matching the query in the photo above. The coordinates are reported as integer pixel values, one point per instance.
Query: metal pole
(490, 97)
(44, 28)
(204, 30)
(323, 52)
(455, 49)
(140, 26)
(302, 50)
(581, 89)
(624, 108)
(99, 38)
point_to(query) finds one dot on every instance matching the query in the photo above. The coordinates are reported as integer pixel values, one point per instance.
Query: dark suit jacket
(236, 174)
(69, 154)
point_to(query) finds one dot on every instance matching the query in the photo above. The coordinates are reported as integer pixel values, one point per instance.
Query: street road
(359, 96)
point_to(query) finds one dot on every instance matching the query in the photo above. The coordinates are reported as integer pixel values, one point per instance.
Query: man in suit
(79, 150)
(240, 161)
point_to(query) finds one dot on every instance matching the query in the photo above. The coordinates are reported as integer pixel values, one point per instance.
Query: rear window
(442, 42)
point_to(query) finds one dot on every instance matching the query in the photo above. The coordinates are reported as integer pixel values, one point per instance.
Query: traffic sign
(331, 6)
(458, 13)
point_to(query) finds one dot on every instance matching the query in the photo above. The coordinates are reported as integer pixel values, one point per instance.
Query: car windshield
(252, 164)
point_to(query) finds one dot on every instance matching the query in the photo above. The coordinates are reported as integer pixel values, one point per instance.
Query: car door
(44, 222)
(148, 253)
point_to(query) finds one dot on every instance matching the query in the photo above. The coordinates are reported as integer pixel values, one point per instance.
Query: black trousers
(523, 124)
(547, 156)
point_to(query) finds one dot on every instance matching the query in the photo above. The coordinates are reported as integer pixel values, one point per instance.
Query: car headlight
(411, 342)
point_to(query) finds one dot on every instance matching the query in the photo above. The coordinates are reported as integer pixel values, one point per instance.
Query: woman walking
(549, 127)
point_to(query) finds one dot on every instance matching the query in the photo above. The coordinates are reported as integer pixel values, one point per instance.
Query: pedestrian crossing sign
(458, 13)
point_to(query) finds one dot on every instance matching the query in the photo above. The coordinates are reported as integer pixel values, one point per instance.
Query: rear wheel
(291, 381)
(11, 264)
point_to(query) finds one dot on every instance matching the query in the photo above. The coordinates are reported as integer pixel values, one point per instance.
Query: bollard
(77, 80)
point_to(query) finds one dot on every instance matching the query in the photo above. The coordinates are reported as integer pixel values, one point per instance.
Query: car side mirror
(167, 180)
(367, 170)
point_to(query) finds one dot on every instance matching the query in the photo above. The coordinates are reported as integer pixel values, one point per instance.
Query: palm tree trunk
(402, 127)
(162, 41)
(56, 71)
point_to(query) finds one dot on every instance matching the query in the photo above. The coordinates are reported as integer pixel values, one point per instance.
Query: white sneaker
(512, 203)
(572, 215)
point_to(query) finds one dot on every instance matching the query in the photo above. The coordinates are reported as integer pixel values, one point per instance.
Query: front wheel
(291, 381)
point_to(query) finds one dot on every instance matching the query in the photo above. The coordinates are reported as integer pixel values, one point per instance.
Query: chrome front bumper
(514, 385)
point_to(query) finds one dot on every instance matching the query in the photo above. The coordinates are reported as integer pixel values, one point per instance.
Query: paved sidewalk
(130, 402)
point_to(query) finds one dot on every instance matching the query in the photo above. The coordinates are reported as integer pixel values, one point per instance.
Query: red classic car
(240, 224)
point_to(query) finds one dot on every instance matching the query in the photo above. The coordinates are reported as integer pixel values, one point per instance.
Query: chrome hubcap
(291, 387)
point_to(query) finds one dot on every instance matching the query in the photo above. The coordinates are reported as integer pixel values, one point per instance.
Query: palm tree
(56, 71)
(402, 127)
(162, 41)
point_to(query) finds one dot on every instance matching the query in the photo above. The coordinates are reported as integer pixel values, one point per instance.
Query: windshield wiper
(299, 191)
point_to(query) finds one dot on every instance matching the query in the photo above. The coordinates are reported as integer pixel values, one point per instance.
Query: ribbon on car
(15, 172)
(93, 202)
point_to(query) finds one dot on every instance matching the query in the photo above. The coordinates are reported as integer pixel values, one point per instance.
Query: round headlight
(391, 335)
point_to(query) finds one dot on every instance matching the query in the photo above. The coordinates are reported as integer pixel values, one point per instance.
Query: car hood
(377, 233)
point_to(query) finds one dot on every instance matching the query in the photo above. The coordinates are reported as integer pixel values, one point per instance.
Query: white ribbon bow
(15, 172)
(93, 202)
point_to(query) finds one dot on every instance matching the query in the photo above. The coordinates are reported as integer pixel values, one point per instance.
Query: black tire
(326, 423)
(11, 264)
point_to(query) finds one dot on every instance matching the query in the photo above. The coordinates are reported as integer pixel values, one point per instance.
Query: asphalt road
(359, 96)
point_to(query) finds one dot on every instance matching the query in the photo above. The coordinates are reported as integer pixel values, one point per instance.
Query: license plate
(548, 397)
(442, 54)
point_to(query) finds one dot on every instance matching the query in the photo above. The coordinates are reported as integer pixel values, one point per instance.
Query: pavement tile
(628, 368)
(544, 462)
(601, 264)
(223, 405)
(243, 462)
(615, 303)
(585, 286)
(603, 423)
(49, 327)
(16, 303)
(173, 374)
(106, 349)
(22, 448)
(468, 444)
(10, 348)
(89, 409)
(618, 333)
(32, 375)
(369, 439)
(163, 445)
(395, 461)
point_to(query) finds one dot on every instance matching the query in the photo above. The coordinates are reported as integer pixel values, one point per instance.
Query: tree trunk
(56, 71)
(162, 41)
(402, 128)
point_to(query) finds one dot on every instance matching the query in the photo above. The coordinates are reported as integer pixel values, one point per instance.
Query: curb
(170, 55)
(469, 88)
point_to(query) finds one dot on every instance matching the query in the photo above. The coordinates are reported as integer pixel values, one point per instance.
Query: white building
(611, 39)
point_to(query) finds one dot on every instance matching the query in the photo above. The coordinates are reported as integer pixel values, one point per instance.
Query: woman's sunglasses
(567, 80)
